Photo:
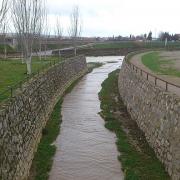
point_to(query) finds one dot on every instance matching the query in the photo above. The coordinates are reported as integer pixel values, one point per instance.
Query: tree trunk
(22, 58)
(40, 52)
(75, 51)
(5, 52)
(45, 56)
(59, 54)
(29, 65)
(165, 43)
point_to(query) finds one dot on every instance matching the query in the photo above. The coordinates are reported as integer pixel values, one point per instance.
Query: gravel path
(175, 56)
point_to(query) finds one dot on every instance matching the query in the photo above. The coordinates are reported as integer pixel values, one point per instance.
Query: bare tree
(27, 19)
(41, 29)
(59, 32)
(47, 36)
(4, 34)
(75, 28)
(4, 6)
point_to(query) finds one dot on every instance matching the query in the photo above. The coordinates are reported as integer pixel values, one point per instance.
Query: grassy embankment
(137, 158)
(42, 162)
(14, 71)
(9, 49)
(136, 44)
(155, 63)
(43, 158)
(93, 65)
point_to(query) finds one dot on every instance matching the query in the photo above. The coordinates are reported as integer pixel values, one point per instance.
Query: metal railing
(146, 74)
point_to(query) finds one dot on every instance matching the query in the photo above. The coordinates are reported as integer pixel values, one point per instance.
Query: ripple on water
(85, 149)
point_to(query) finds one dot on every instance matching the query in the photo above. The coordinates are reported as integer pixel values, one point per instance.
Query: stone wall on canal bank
(23, 118)
(157, 114)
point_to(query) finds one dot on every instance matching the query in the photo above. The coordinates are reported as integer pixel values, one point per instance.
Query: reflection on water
(85, 149)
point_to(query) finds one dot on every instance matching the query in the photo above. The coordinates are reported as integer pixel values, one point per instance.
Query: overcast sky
(119, 17)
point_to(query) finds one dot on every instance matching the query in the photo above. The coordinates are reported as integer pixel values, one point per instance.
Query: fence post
(166, 86)
(11, 89)
(147, 76)
(20, 85)
(155, 80)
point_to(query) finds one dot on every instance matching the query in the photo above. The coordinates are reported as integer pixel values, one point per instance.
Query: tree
(4, 34)
(27, 19)
(42, 28)
(4, 7)
(75, 28)
(149, 38)
(145, 36)
(47, 36)
(59, 31)
(175, 37)
(165, 35)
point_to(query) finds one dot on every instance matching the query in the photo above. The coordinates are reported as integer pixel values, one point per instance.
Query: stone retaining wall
(157, 114)
(22, 119)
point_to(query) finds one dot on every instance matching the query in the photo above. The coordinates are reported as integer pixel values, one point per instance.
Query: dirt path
(136, 60)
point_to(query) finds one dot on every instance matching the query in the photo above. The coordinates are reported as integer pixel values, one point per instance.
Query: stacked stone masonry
(23, 118)
(157, 114)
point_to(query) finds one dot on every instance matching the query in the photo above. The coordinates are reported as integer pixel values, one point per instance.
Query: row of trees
(167, 36)
(29, 19)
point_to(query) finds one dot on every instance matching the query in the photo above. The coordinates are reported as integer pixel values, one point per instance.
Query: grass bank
(136, 44)
(93, 65)
(155, 63)
(137, 158)
(9, 49)
(14, 71)
(43, 159)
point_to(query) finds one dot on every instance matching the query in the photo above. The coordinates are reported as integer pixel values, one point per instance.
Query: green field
(43, 158)
(8, 48)
(156, 64)
(14, 71)
(137, 44)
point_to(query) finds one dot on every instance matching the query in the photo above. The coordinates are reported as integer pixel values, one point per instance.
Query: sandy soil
(172, 56)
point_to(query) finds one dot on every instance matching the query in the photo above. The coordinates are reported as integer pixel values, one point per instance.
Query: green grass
(137, 44)
(14, 71)
(43, 159)
(137, 158)
(93, 65)
(8, 48)
(155, 63)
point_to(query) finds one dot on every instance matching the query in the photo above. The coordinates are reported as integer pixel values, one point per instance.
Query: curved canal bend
(86, 150)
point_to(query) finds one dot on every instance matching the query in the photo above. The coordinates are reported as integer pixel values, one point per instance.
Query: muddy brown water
(86, 150)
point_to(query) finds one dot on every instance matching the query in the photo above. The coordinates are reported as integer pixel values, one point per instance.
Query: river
(86, 150)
